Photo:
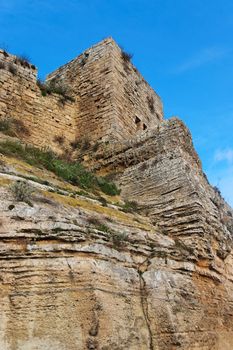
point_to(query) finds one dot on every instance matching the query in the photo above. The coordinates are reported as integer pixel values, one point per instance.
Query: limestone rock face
(162, 172)
(158, 279)
(68, 285)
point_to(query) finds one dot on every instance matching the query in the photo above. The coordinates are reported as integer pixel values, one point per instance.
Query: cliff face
(77, 275)
(151, 269)
(188, 288)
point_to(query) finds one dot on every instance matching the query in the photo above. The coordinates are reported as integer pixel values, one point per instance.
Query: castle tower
(115, 102)
(111, 100)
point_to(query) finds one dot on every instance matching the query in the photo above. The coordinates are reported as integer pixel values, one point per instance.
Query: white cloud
(205, 56)
(224, 155)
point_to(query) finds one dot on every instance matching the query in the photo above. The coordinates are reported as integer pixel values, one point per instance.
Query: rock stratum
(151, 269)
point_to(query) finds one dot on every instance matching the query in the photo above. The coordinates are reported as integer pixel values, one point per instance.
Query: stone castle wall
(90, 76)
(137, 106)
(112, 100)
(115, 102)
(44, 117)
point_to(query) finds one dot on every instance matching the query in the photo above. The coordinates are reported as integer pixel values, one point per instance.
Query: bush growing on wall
(48, 88)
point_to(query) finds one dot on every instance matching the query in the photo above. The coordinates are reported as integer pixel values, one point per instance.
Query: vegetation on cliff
(72, 172)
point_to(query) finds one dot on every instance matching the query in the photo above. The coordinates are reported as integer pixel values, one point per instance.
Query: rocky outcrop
(162, 172)
(68, 284)
(77, 275)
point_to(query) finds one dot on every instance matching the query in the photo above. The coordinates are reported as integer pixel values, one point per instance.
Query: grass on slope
(72, 172)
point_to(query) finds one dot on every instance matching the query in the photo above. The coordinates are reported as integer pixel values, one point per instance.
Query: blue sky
(184, 48)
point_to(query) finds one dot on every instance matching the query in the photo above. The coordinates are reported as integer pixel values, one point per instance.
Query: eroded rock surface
(161, 279)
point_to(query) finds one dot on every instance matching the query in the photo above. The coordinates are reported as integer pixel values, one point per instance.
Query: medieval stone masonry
(111, 100)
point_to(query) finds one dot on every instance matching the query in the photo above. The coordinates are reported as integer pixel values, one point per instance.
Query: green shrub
(52, 87)
(98, 224)
(118, 239)
(13, 127)
(22, 191)
(108, 187)
(43, 87)
(72, 172)
(103, 228)
(23, 60)
(18, 127)
(6, 126)
(130, 207)
(81, 144)
(92, 220)
(126, 56)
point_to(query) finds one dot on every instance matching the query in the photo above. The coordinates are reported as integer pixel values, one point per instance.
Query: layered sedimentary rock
(166, 284)
(162, 173)
(151, 269)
